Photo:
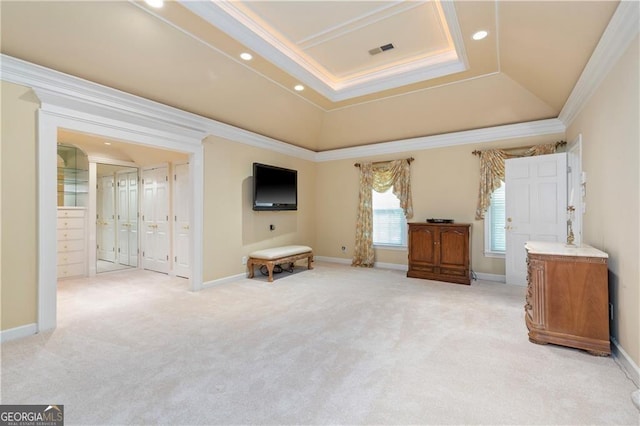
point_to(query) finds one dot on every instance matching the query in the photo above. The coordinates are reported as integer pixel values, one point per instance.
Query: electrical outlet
(344, 249)
(244, 260)
(272, 227)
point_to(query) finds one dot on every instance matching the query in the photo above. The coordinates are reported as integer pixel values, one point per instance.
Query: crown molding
(58, 91)
(234, 22)
(489, 134)
(621, 31)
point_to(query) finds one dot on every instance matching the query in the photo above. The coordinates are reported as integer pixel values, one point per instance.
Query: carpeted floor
(333, 345)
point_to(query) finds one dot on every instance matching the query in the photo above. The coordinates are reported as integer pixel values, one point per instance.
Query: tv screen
(274, 188)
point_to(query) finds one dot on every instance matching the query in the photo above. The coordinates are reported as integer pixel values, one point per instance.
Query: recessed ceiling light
(298, 87)
(246, 56)
(480, 35)
(155, 3)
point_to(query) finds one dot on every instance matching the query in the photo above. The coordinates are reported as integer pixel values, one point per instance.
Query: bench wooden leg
(270, 266)
(250, 266)
(309, 260)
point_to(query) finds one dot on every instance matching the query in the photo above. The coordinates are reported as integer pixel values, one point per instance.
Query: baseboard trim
(341, 260)
(394, 266)
(18, 332)
(491, 277)
(625, 362)
(224, 280)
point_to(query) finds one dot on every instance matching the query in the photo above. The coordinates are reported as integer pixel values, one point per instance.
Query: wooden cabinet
(440, 252)
(567, 300)
(72, 242)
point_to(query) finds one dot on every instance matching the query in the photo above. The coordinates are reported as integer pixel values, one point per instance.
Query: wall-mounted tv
(274, 188)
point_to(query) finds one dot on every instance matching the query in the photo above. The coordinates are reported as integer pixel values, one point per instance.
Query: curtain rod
(409, 160)
(517, 148)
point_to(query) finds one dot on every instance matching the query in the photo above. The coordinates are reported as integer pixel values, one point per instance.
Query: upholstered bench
(278, 256)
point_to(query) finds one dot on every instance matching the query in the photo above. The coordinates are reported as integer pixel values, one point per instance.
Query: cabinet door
(453, 247)
(421, 245)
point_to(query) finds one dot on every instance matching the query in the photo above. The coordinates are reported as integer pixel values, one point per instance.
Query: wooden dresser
(440, 252)
(567, 300)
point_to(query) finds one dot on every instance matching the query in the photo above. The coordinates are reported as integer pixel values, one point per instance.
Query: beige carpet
(334, 345)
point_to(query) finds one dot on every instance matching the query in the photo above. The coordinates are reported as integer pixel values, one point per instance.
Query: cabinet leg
(537, 342)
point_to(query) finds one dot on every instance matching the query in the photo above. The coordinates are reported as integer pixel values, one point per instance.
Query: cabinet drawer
(74, 270)
(454, 272)
(70, 213)
(70, 223)
(67, 258)
(70, 234)
(70, 245)
(421, 268)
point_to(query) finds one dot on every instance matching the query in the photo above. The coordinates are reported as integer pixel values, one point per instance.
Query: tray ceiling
(436, 80)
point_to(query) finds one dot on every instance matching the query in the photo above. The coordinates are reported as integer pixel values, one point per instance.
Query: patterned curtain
(379, 177)
(492, 171)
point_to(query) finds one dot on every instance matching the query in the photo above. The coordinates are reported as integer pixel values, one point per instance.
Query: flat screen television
(274, 188)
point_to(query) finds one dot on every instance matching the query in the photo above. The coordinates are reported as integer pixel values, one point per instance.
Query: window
(494, 223)
(389, 222)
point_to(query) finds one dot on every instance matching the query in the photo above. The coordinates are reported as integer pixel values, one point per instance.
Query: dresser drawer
(71, 223)
(70, 257)
(70, 234)
(74, 270)
(70, 213)
(70, 245)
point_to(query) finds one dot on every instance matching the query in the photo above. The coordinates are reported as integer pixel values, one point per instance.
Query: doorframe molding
(59, 111)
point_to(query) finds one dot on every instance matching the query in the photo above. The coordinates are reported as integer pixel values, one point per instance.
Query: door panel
(105, 223)
(155, 217)
(127, 218)
(182, 233)
(535, 207)
(452, 247)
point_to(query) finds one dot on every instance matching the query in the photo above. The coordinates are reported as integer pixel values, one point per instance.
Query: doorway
(140, 130)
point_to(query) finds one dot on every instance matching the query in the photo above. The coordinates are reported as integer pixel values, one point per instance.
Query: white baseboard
(224, 280)
(395, 266)
(625, 362)
(342, 260)
(491, 277)
(333, 259)
(403, 267)
(18, 332)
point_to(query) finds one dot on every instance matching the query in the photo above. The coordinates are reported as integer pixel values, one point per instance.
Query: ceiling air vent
(381, 49)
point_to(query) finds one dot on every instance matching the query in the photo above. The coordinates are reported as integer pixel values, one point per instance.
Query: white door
(182, 233)
(105, 229)
(127, 218)
(535, 205)
(155, 219)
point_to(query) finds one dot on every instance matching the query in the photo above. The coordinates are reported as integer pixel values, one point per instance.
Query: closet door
(105, 227)
(127, 218)
(181, 209)
(155, 219)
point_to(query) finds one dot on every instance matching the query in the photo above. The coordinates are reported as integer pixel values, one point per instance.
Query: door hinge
(167, 218)
(175, 259)
(142, 254)
(569, 169)
(166, 178)
(175, 218)
(175, 177)
(118, 249)
(167, 257)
